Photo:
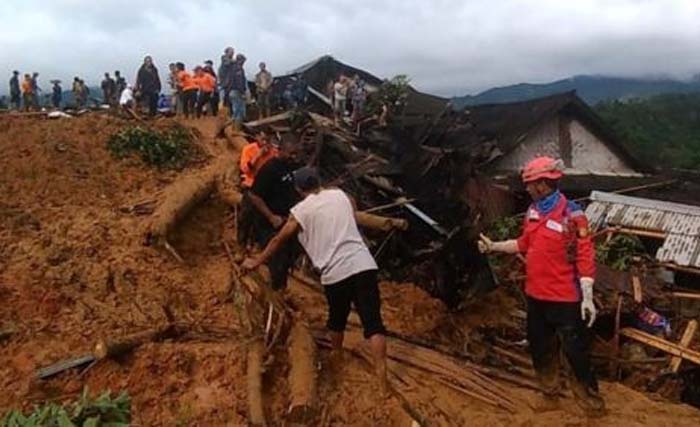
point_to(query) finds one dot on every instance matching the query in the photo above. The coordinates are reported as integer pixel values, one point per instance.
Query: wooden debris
(687, 337)
(376, 222)
(268, 120)
(688, 295)
(181, 197)
(662, 344)
(254, 377)
(637, 289)
(121, 346)
(303, 397)
(64, 365)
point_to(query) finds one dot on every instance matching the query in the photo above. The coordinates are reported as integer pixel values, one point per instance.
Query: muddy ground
(74, 269)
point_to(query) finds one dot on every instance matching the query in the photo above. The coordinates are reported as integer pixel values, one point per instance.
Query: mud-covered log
(183, 195)
(123, 345)
(302, 375)
(254, 371)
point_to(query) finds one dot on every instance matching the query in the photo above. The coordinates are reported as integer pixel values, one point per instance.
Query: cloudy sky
(446, 46)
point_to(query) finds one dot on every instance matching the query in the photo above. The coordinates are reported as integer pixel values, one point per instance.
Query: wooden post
(637, 289)
(688, 335)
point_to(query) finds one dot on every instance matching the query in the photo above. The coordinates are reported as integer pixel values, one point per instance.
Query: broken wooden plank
(662, 344)
(64, 365)
(267, 120)
(123, 345)
(637, 289)
(688, 335)
(688, 295)
(377, 222)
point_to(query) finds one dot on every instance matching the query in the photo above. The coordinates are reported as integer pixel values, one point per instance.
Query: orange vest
(186, 81)
(251, 162)
(206, 82)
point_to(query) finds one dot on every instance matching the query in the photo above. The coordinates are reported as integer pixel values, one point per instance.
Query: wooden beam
(688, 335)
(689, 295)
(267, 120)
(662, 344)
(637, 289)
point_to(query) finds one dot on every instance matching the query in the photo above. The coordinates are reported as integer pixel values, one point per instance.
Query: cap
(306, 178)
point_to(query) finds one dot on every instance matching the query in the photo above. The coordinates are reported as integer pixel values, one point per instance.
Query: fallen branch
(254, 377)
(302, 376)
(123, 345)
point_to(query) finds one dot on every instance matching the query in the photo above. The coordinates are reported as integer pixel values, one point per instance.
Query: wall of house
(590, 154)
(544, 141)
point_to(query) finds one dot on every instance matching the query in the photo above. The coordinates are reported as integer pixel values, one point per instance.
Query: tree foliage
(392, 93)
(662, 130)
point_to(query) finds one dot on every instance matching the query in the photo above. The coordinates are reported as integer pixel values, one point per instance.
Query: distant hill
(663, 130)
(592, 89)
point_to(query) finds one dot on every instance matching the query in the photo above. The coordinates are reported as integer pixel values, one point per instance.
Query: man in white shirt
(324, 222)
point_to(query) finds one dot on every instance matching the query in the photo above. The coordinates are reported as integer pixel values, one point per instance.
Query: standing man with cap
(560, 270)
(324, 222)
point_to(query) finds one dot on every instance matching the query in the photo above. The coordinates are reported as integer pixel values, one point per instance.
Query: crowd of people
(193, 93)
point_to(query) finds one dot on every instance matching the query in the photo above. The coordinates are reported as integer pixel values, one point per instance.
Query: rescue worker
(109, 90)
(56, 94)
(226, 71)
(120, 84)
(239, 91)
(253, 158)
(324, 223)
(214, 102)
(206, 84)
(560, 270)
(263, 86)
(28, 93)
(189, 90)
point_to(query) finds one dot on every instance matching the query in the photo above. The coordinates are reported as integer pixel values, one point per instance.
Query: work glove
(588, 310)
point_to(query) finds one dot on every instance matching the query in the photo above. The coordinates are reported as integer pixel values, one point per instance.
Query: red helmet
(542, 167)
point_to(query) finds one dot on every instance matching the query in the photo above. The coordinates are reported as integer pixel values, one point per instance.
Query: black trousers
(282, 261)
(189, 102)
(151, 101)
(214, 103)
(362, 291)
(552, 326)
(203, 99)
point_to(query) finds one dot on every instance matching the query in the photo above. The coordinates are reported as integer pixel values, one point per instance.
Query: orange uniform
(252, 159)
(205, 82)
(27, 86)
(186, 81)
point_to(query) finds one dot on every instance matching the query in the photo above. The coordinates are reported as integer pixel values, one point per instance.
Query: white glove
(588, 310)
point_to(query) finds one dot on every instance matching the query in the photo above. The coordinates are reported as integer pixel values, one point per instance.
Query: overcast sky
(447, 47)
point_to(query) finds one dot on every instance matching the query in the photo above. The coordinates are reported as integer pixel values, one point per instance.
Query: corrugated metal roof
(680, 223)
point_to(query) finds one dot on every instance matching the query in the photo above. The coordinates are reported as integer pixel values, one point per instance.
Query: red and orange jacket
(206, 82)
(559, 251)
(186, 81)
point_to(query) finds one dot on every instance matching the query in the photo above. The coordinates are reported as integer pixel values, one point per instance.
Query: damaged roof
(678, 223)
(505, 126)
(325, 69)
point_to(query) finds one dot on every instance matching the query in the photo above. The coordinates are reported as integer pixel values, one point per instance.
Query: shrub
(171, 148)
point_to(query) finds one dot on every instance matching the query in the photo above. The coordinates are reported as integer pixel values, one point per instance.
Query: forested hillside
(663, 130)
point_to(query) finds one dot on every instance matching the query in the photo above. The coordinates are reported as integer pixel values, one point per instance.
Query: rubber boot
(588, 399)
(550, 386)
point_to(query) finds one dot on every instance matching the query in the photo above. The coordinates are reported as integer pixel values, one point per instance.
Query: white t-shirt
(340, 91)
(126, 97)
(330, 236)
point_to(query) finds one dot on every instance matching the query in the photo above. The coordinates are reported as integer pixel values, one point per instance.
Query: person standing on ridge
(56, 94)
(207, 86)
(148, 85)
(214, 101)
(263, 86)
(189, 90)
(109, 89)
(27, 93)
(226, 71)
(120, 84)
(239, 90)
(560, 271)
(15, 91)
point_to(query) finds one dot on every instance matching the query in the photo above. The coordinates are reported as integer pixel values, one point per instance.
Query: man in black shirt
(273, 195)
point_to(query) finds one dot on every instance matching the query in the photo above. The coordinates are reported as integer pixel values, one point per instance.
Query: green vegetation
(103, 411)
(171, 148)
(620, 252)
(392, 92)
(505, 228)
(663, 130)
